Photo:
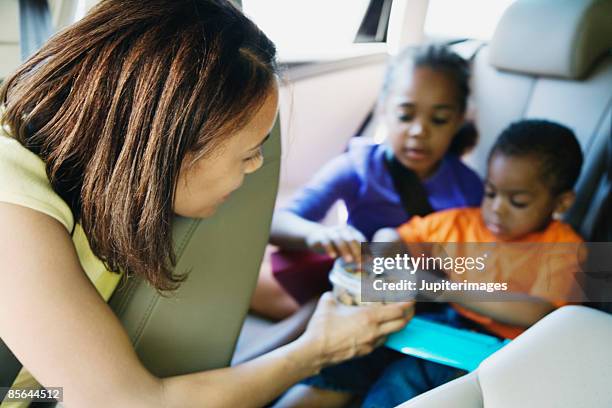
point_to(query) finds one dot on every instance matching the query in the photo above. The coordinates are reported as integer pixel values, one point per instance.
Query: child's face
(517, 202)
(423, 115)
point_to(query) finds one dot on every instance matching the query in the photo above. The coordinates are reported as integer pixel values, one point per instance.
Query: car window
(308, 30)
(464, 19)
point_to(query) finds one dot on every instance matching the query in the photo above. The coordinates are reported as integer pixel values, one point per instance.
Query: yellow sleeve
(23, 181)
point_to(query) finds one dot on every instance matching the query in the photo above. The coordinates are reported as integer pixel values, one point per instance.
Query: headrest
(560, 38)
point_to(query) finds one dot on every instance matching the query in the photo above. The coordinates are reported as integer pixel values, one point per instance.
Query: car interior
(549, 59)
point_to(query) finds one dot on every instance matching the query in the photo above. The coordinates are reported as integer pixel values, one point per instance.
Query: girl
(136, 113)
(422, 105)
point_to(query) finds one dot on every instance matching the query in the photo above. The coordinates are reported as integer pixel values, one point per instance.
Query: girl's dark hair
(114, 103)
(438, 58)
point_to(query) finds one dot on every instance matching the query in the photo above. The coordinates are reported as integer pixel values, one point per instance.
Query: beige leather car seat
(547, 59)
(563, 361)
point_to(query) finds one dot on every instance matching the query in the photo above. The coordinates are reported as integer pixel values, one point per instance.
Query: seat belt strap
(411, 191)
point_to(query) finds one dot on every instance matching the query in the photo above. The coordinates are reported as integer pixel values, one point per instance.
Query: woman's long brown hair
(114, 103)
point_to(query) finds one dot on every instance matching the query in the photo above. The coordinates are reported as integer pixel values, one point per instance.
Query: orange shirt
(465, 225)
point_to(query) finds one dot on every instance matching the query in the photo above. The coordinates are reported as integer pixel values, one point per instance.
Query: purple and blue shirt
(360, 178)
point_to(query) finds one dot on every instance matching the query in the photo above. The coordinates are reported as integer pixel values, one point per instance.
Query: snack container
(347, 285)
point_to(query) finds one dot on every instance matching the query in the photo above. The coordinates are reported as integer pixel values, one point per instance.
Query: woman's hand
(343, 332)
(337, 241)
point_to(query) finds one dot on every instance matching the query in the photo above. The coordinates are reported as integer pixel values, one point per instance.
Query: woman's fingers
(393, 311)
(379, 342)
(392, 326)
(327, 298)
(394, 319)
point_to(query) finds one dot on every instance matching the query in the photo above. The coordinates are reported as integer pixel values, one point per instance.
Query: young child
(422, 106)
(532, 169)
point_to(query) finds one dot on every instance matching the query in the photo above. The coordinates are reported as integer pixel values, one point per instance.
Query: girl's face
(204, 186)
(423, 114)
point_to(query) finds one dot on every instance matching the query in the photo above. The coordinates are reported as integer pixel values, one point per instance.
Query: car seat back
(197, 327)
(551, 59)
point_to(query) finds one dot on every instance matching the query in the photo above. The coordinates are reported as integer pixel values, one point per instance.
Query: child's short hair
(553, 144)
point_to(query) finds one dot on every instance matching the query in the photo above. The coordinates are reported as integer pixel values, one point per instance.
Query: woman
(134, 114)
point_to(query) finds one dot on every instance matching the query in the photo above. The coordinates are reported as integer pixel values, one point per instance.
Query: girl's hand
(386, 235)
(342, 332)
(337, 241)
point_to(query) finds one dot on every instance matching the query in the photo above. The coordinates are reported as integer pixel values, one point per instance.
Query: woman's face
(423, 115)
(205, 185)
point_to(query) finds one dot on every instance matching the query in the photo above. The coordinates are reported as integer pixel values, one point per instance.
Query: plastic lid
(340, 277)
